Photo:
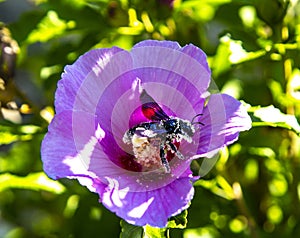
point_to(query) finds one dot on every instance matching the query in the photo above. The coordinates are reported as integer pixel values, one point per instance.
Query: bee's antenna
(197, 122)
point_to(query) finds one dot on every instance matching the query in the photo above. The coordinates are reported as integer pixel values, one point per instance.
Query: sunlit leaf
(227, 188)
(231, 52)
(294, 84)
(34, 181)
(271, 116)
(154, 232)
(7, 138)
(50, 26)
(10, 134)
(220, 62)
(219, 186)
(178, 221)
(237, 53)
(130, 30)
(123, 41)
(192, 3)
(199, 12)
(130, 231)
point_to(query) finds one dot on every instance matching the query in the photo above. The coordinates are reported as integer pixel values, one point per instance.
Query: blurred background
(253, 50)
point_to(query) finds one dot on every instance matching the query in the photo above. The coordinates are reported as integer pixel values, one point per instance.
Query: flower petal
(149, 207)
(98, 100)
(58, 144)
(83, 82)
(75, 138)
(72, 153)
(176, 77)
(223, 118)
(190, 50)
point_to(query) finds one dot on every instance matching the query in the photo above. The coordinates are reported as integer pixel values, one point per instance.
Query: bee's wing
(152, 129)
(151, 109)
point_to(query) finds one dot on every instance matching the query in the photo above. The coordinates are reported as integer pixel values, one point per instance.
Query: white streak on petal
(99, 133)
(123, 192)
(139, 211)
(101, 63)
(136, 87)
(80, 163)
(115, 198)
(89, 183)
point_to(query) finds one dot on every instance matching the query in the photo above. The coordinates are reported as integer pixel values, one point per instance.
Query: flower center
(155, 143)
(147, 152)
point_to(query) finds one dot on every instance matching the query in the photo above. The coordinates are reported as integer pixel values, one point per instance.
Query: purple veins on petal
(149, 207)
(223, 118)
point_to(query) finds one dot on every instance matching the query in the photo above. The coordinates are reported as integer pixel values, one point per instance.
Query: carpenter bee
(153, 140)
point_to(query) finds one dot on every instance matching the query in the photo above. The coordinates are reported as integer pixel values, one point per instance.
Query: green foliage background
(253, 48)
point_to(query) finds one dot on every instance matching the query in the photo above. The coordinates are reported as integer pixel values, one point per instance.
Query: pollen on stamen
(147, 153)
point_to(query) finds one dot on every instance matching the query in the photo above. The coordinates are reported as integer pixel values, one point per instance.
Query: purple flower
(107, 92)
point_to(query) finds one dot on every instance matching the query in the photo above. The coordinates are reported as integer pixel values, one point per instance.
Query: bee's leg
(164, 159)
(174, 149)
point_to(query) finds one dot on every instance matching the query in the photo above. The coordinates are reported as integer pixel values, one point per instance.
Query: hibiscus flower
(129, 123)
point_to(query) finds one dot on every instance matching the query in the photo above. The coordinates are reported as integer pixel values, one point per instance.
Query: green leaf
(178, 221)
(221, 63)
(154, 232)
(7, 138)
(294, 84)
(130, 231)
(237, 53)
(50, 27)
(219, 186)
(271, 116)
(231, 52)
(34, 181)
(10, 134)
